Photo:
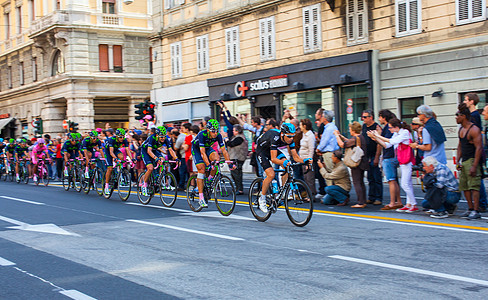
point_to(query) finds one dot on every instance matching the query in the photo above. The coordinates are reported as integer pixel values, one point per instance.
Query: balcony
(109, 19)
(56, 18)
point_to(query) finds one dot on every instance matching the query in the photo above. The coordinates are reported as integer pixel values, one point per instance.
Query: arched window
(58, 63)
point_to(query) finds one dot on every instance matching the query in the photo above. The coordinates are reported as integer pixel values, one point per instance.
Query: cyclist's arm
(111, 151)
(16, 156)
(173, 153)
(225, 153)
(151, 153)
(204, 156)
(295, 155)
(274, 158)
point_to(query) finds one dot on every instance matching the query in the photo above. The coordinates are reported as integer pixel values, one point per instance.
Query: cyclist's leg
(88, 156)
(197, 157)
(149, 163)
(110, 166)
(282, 157)
(213, 156)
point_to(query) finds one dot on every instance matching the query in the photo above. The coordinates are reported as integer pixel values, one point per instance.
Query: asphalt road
(61, 245)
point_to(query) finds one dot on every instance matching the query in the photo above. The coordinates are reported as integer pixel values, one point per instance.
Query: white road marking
(216, 214)
(45, 228)
(404, 223)
(74, 294)
(413, 270)
(5, 263)
(22, 200)
(220, 236)
(160, 207)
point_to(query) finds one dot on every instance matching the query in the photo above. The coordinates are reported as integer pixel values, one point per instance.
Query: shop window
(58, 63)
(312, 32)
(408, 108)
(108, 6)
(232, 48)
(408, 17)
(357, 22)
(469, 11)
(352, 102)
(176, 61)
(267, 39)
(202, 54)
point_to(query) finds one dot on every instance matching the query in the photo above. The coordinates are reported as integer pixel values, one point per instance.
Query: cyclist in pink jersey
(38, 152)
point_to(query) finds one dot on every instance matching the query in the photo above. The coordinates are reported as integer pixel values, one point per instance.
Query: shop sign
(240, 87)
(4, 116)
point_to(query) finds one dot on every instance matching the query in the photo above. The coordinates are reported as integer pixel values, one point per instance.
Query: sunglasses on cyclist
(290, 136)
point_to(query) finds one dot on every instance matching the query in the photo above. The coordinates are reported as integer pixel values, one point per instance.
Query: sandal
(388, 207)
(359, 206)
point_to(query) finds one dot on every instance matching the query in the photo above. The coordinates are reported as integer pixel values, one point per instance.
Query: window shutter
(402, 17)
(271, 38)
(468, 11)
(262, 37)
(414, 15)
(267, 38)
(103, 57)
(176, 60)
(478, 8)
(117, 58)
(463, 10)
(205, 54)
(357, 21)
(173, 63)
(236, 51)
(228, 46)
(306, 29)
(199, 54)
(316, 28)
(361, 16)
(167, 4)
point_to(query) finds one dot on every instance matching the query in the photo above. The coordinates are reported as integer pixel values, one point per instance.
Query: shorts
(90, 151)
(390, 166)
(197, 156)
(264, 158)
(20, 157)
(147, 159)
(71, 154)
(467, 182)
(109, 158)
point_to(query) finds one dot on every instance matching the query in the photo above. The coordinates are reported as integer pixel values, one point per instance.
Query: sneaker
(262, 205)
(144, 191)
(377, 202)
(412, 209)
(66, 172)
(403, 209)
(319, 196)
(202, 203)
(17, 177)
(87, 175)
(107, 189)
(440, 215)
(430, 212)
(466, 214)
(452, 210)
(474, 215)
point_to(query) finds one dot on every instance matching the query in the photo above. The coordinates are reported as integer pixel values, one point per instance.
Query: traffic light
(139, 110)
(150, 108)
(73, 127)
(37, 123)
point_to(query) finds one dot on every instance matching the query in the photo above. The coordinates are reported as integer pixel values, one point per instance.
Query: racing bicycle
(161, 181)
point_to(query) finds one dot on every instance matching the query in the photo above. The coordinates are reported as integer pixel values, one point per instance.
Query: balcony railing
(110, 20)
(58, 17)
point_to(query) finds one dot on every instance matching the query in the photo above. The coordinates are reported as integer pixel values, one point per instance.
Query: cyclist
(10, 150)
(89, 145)
(151, 152)
(71, 149)
(203, 153)
(39, 151)
(112, 152)
(21, 151)
(267, 150)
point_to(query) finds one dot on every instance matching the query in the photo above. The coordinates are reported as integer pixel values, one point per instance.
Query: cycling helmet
(120, 132)
(160, 131)
(287, 128)
(19, 140)
(93, 134)
(72, 136)
(213, 125)
(1, 140)
(41, 141)
(11, 141)
(78, 136)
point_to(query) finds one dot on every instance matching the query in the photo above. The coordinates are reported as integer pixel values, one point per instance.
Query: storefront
(341, 84)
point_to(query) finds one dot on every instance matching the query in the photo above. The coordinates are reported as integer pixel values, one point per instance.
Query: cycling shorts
(197, 155)
(147, 159)
(36, 157)
(109, 158)
(264, 158)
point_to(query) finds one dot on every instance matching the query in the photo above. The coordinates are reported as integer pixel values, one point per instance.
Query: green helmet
(23, 141)
(93, 134)
(78, 136)
(72, 136)
(120, 132)
(11, 141)
(213, 125)
(160, 131)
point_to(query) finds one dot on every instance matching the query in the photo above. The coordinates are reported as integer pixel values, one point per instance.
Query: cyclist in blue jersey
(10, 150)
(113, 145)
(267, 150)
(71, 149)
(203, 153)
(89, 145)
(21, 152)
(151, 152)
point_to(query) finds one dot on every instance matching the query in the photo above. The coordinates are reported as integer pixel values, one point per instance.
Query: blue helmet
(287, 128)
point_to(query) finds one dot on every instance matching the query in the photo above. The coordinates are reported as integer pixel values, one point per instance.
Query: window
(58, 63)
(108, 6)
(117, 54)
(176, 62)
(34, 69)
(357, 22)
(202, 54)
(110, 58)
(312, 32)
(57, 4)
(18, 12)
(408, 108)
(408, 17)
(6, 18)
(32, 10)
(267, 39)
(232, 49)
(468, 11)
(173, 3)
(21, 73)
(103, 58)
(9, 77)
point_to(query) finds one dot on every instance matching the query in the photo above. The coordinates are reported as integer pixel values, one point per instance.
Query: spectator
(328, 142)
(257, 129)
(229, 120)
(338, 191)
(184, 132)
(357, 173)
(468, 157)
(417, 128)
(190, 165)
(307, 149)
(373, 153)
(401, 138)
(238, 148)
(59, 159)
(318, 135)
(442, 193)
(433, 136)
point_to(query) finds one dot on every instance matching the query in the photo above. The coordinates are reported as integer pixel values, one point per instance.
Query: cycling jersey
(10, 148)
(153, 142)
(204, 140)
(88, 145)
(2, 148)
(38, 150)
(112, 142)
(271, 140)
(70, 148)
(21, 150)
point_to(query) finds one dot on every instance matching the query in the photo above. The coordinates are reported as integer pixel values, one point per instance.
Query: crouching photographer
(442, 189)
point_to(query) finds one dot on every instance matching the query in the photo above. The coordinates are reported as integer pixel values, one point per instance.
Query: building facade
(348, 55)
(87, 61)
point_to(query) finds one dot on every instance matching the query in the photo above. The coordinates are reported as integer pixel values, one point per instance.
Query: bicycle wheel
(168, 189)
(111, 187)
(98, 181)
(45, 176)
(225, 196)
(254, 194)
(192, 194)
(66, 180)
(298, 203)
(124, 184)
(145, 199)
(21, 175)
(38, 176)
(78, 179)
(87, 186)
(25, 171)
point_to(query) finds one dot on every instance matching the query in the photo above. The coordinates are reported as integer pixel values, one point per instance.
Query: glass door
(353, 100)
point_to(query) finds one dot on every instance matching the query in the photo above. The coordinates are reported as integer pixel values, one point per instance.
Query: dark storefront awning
(4, 122)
